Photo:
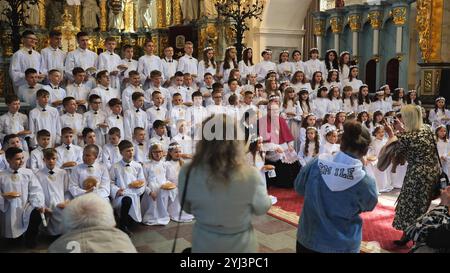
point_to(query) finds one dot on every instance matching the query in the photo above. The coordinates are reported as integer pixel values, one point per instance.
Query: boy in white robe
(57, 93)
(90, 169)
(21, 200)
(169, 64)
(90, 138)
(135, 117)
(10, 141)
(178, 85)
(110, 61)
(111, 153)
(45, 117)
(27, 91)
(134, 85)
(207, 89)
(217, 107)
(115, 119)
(72, 119)
(159, 128)
(79, 89)
(96, 119)
(104, 90)
(53, 57)
(196, 114)
(14, 122)
(187, 63)
(129, 63)
(80, 57)
(36, 161)
(141, 146)
(69, 155)
(127, 185)
(178, 112)
(156, 112)
(55, 185)
(148, 63)
(184, 139)
(156, 81)
(25, 58)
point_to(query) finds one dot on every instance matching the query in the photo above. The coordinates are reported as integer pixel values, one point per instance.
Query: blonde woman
(223, 191)
(415, 142)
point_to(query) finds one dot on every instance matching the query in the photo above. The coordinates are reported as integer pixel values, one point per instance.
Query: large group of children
(122, 128)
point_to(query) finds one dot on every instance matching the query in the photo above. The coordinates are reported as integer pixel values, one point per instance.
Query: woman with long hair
(208, 64)
(222, 191)
(229, 63)
(415, 143)
(246, 65)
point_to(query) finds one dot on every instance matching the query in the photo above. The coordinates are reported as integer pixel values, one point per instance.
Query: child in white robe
(57, 93)
(155, 202)
(160, 135)
(178, 112)
(257, 157)
(69, 154)
(115, 119)
(184, 139)
(329, 145)
(72, 119)
(321, 104)
(141, 145)
(156, 112)
(307, 121)
(79, 89)
(174, 163)
(89, 171)
(90, 138)
(45, 117)
(382, 178)
(148, 62)
(133, 86)
(55, 186)
(109, 61)
(439, 115)
(328, 122)
(21, 200)
(443, 147)
(309, 149)
(104, 90)
(111, 153)
(335, 100)
(135, 117)
(95, 119)
(127, 186)
(14, 122)
(36, 161)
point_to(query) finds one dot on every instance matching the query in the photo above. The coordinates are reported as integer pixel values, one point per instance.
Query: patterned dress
(422, 171)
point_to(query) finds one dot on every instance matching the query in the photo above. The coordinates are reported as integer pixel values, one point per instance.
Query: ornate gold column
(42, 21)
(337, 25)
(169, 17)
(355, 26)
(129, 20)
(399, 18)
(319, 24)
(161, 8)
(77, 9)
(103, 16)
(177, 17)
(375, 16)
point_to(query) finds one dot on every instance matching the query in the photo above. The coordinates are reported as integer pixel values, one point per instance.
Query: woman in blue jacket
(336, 190)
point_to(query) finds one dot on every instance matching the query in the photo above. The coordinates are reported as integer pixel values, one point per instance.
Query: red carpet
(377, 224)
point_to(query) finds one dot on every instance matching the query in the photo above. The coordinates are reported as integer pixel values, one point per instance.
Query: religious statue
(90, 13)
(208, 9)
(3, 5)
(32, 15)
(116, 8)
(144, 19)
(189, 8)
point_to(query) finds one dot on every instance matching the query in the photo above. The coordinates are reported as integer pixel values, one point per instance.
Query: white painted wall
(281, 26)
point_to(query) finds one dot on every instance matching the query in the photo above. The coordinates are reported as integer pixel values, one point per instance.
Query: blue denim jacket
(336, 190)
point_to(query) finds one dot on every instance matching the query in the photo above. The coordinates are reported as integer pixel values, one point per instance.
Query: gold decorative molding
(42, 21)
(336, 24)
(160, 7)
(129, 16)
(319, 26)
(103, 16)
(427, 82)
(399, 16)
(77, 16)
(155, 42)
(169, 18)
(354, 21)
(375, 19)
(429, 25)
(376, 58)
(177, 17)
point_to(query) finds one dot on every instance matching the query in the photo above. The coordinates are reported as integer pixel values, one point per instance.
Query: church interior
(400, 43)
